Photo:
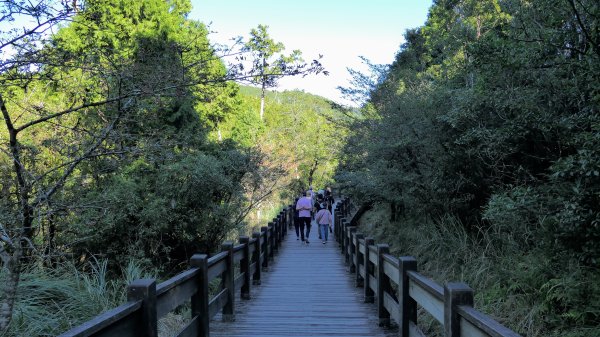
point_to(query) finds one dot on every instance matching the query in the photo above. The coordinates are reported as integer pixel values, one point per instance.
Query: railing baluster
(228, 281)
(145, 290)
(256, 258)
(369, 294)
(274, 237)
(455, 294)
(200, 299)
(265, 249)
(383, 286)
(352, 249)
(245, 268)
(408, 306)
(359, 260)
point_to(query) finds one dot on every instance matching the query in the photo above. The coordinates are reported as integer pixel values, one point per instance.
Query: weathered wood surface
(307, 292)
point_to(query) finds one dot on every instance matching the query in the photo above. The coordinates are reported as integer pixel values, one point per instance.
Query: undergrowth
(522, 287)
(51, 301)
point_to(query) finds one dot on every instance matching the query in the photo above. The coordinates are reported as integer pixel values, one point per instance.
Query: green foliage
(363, 85)
(52, 300)
(164, 213)
(489, 115)
(263, 49)
(132, 144)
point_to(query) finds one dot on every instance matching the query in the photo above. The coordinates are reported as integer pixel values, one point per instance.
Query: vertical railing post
(282, 224)
(408, 306)
(228, 282)
(383, 285)
(245, 268)
(145, 290)
(290, 217)
(280, 227)
(199, 300)
(279, 231)
(337, 217)
(455, 294)
(271, 235)
(275, 237)
(358, 259)
(256, 258)
(345, 207)
(265, 249)
(351, 249)
(342, 236)
(369, 294)
(347, 242)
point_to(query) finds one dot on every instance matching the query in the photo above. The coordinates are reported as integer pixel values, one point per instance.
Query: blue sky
(339, 30)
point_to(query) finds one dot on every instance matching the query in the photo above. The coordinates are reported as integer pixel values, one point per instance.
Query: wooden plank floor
(307, 292)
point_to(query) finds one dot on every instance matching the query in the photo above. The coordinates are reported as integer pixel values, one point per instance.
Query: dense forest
(130, 142)
(479, 153)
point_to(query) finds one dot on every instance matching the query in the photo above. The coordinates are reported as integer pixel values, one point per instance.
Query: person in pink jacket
(325, 221)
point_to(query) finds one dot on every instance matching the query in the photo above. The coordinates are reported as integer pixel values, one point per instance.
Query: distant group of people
(314, 206)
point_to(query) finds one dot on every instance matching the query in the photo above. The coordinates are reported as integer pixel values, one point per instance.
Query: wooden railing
(397, 288)
(392, 283)
(147, 302)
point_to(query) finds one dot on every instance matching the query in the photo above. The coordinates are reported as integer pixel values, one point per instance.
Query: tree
(489, 115)
(271, 64)
(116, 82)
(363, 85)
(20, 58)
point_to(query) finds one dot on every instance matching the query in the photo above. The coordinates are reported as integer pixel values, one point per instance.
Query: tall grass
(53, 300)
(523, 289)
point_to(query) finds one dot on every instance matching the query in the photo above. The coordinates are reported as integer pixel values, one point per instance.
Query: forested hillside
(479, 153)
(128, 146)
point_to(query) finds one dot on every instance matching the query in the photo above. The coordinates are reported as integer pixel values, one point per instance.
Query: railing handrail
(148, 302)
(394, 284)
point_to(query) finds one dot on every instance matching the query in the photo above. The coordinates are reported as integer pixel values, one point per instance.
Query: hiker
(329, 199)
(325, 221)
(297, 220)
(317, 206)
(304, 207)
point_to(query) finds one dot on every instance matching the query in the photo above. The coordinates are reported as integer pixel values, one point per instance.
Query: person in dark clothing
(297, 220)
(318, 205)
(329, 199)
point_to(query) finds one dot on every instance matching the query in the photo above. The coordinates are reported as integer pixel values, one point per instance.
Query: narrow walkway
(307, 292)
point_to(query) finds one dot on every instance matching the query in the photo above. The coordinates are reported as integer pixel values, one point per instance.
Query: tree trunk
(8, 288)
(312, 172)
(262, 102)
(12, 249)
(263, 88)
(364, 207)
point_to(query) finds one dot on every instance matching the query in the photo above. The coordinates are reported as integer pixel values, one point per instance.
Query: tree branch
(584, 28)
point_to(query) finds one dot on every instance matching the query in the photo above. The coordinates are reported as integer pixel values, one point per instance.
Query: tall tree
(363, 85)
(271, 65)
(21, 56)
(78, 103)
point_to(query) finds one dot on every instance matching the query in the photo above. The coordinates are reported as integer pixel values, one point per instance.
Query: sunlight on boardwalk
(307, 292)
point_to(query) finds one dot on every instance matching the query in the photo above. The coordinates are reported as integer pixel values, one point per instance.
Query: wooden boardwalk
(307, 292)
